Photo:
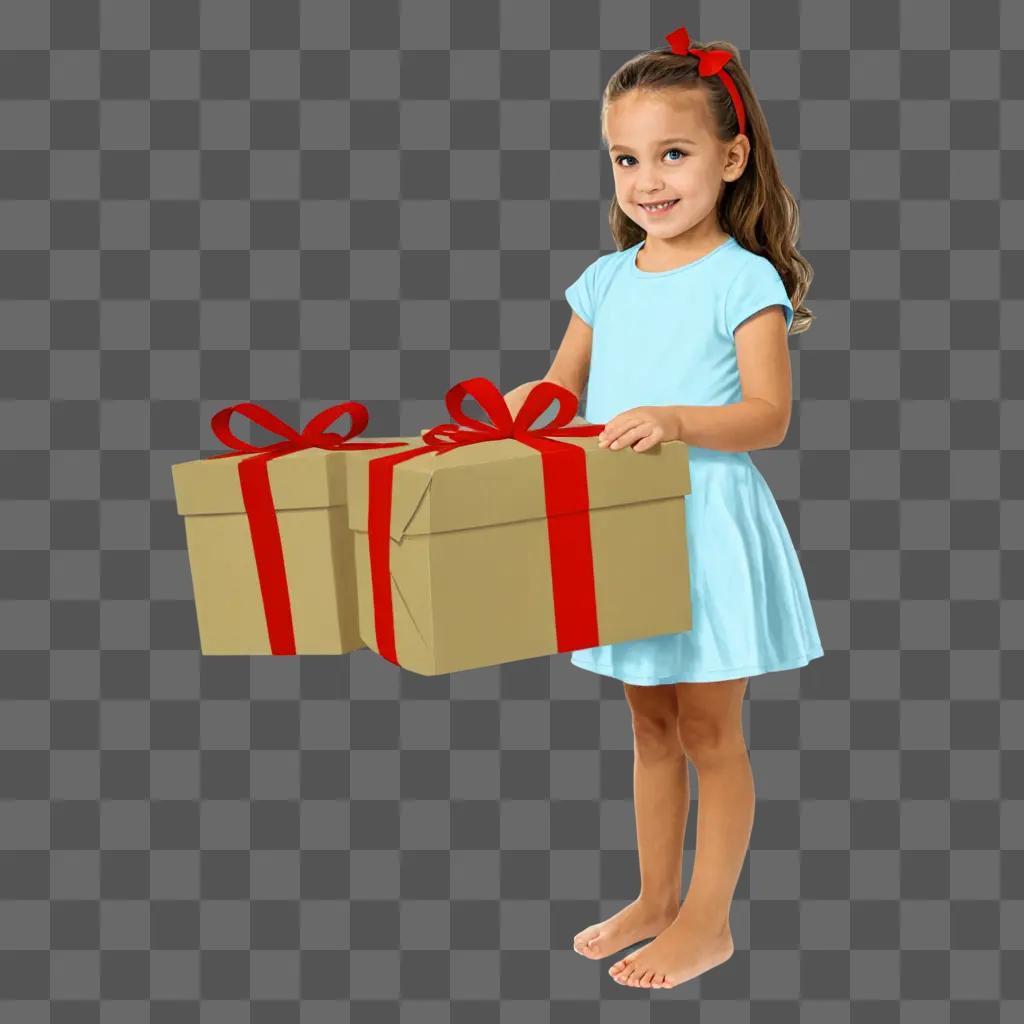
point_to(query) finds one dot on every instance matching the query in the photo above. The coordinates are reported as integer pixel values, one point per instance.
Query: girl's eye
(626, 156)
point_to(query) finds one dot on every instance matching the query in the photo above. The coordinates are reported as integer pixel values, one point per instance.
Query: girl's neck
(667, 254)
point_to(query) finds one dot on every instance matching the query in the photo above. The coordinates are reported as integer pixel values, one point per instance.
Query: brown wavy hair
(757, 209)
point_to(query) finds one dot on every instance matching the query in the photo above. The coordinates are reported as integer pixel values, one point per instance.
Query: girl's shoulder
(609, 264)
(751, 283)
(736, 258)
(585, 294)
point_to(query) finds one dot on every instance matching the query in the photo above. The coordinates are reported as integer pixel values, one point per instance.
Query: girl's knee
(710, 719)
(653, 710)
(706, 739)
(656, 735)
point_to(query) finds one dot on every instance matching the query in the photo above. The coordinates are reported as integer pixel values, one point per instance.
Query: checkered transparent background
(301, 203)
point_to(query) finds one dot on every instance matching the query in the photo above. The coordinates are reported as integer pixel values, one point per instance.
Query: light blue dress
(666, 338)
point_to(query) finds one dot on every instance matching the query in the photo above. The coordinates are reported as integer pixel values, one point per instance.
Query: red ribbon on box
(566, 500)
(258, 500)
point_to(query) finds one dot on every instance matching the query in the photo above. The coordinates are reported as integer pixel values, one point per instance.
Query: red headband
(710, 62)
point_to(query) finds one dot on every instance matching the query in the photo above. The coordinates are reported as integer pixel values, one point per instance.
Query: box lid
(311, 478)
(502, 481)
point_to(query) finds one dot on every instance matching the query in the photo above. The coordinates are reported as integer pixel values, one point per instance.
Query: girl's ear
(736, 158)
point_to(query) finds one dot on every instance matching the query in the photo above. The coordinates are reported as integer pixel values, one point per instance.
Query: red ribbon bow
(446, 436)
(258, 499)
(709, 62)
(567, 502)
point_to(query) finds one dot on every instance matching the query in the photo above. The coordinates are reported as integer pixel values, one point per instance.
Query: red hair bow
(709, 62)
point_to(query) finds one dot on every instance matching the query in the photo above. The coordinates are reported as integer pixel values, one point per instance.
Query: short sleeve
(580, 295)
(757, 286)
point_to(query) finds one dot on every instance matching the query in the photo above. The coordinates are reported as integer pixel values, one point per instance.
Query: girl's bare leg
(711, 732)
(661, 797)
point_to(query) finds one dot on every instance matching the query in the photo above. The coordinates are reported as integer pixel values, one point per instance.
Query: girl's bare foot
(631, 924)
(690, 946)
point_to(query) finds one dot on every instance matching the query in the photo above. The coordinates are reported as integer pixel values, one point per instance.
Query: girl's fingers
(654, 436)
(628, 437)
(621, 422)
(608, 436)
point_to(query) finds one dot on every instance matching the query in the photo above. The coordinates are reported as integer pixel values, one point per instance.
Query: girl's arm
(761, 419)
(571, 366)
(740, 427)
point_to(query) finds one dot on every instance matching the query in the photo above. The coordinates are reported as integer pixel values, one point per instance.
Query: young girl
(686, 324)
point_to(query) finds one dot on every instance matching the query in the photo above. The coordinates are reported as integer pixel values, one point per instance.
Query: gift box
(269, 546)
(482, 543)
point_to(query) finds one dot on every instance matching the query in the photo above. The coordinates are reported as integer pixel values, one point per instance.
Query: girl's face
(663, 147)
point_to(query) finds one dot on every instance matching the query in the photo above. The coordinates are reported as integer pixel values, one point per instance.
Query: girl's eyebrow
(662, 142)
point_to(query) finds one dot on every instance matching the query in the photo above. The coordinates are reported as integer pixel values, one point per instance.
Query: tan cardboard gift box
(469, 577)
(309, 497)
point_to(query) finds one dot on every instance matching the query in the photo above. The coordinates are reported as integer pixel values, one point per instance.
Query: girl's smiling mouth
(658, 208)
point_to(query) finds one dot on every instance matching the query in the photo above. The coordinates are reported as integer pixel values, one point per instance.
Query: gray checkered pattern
(300, 203)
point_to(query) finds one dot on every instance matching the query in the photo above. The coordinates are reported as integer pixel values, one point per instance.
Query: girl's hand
(515, 398)
(641, 428)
